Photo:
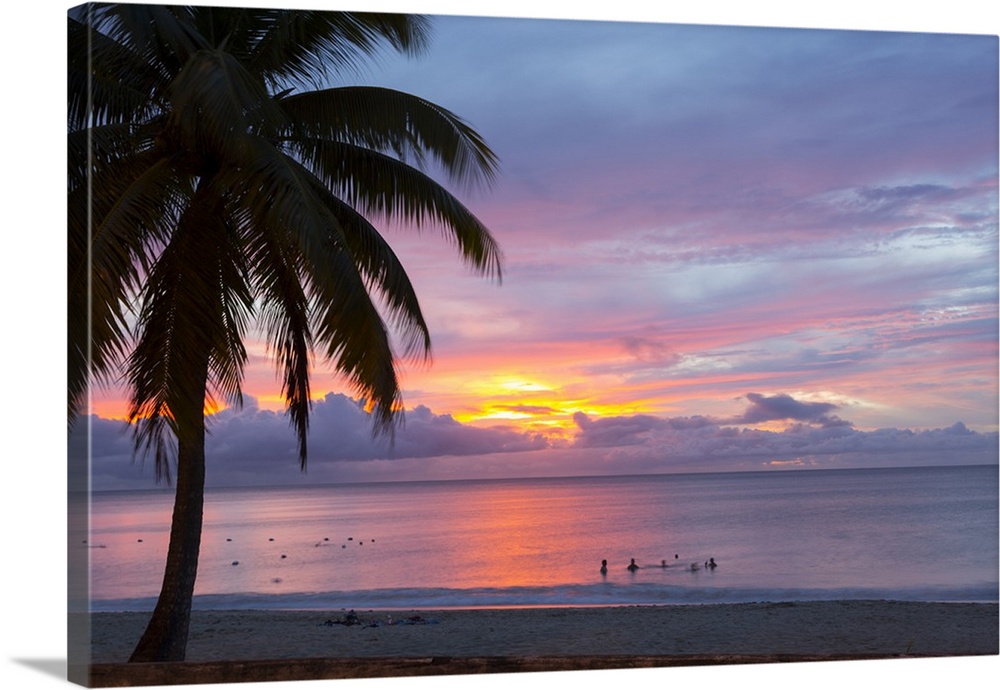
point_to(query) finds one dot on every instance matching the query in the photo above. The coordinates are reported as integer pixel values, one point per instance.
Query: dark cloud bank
(250, 446)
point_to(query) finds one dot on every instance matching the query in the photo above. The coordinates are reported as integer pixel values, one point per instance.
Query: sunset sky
(725, 248)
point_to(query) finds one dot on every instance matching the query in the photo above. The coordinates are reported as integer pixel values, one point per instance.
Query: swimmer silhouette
(632, 566)
(712, 564)
(604, 567)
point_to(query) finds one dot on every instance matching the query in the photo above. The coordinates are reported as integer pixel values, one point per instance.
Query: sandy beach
(696, 633)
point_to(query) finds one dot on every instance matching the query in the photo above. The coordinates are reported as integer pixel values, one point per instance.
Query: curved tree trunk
(165, 638)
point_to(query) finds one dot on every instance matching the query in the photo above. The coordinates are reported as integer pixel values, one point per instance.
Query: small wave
(603, 594)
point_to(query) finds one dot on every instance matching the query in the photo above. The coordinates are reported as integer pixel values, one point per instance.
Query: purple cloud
(250, 445)
(785, 407)
(816, 439)
(662, 445)
(614, 431)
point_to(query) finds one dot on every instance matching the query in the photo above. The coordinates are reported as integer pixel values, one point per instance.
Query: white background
(32, 241)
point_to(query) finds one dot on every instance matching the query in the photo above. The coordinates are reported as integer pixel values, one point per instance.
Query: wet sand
(501, 640)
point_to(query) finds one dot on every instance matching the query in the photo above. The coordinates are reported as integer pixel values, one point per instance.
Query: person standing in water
(632, 566)
(604, 567)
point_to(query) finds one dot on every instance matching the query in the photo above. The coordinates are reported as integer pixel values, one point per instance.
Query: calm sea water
(915, 534)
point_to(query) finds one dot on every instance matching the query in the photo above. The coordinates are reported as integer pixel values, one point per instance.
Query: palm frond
(234, 309)
(198, 184)
(387, 120)
(307, 48)
(275, 262)
(162, 35)
(111, 232)
(196, 300)
(355, 339)
(380, 185)
(214, 103)
(383, 272)
(281, 194)
(107, 81)
(93, 148)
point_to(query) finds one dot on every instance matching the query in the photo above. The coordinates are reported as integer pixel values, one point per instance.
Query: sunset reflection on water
(897, 531)
(496, 534)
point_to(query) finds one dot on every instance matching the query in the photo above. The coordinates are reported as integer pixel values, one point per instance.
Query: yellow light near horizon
(503, 386)
(522, 386)
(275, 402)
(536, 408)
(115, 410)
(504, 414)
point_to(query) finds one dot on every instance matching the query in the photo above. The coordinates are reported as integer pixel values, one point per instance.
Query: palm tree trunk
(165, 638)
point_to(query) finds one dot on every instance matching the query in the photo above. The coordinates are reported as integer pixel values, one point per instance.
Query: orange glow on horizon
(117, 408)
(538, 387)
(537, 404)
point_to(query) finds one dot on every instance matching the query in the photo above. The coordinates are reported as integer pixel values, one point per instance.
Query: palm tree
(215, 184)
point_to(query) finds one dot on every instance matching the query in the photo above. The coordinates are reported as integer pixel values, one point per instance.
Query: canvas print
(411, 344)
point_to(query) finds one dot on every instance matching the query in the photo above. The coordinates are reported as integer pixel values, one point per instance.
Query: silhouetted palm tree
(214, 184)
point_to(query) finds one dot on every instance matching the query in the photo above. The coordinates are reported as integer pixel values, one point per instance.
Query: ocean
(918, 534)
